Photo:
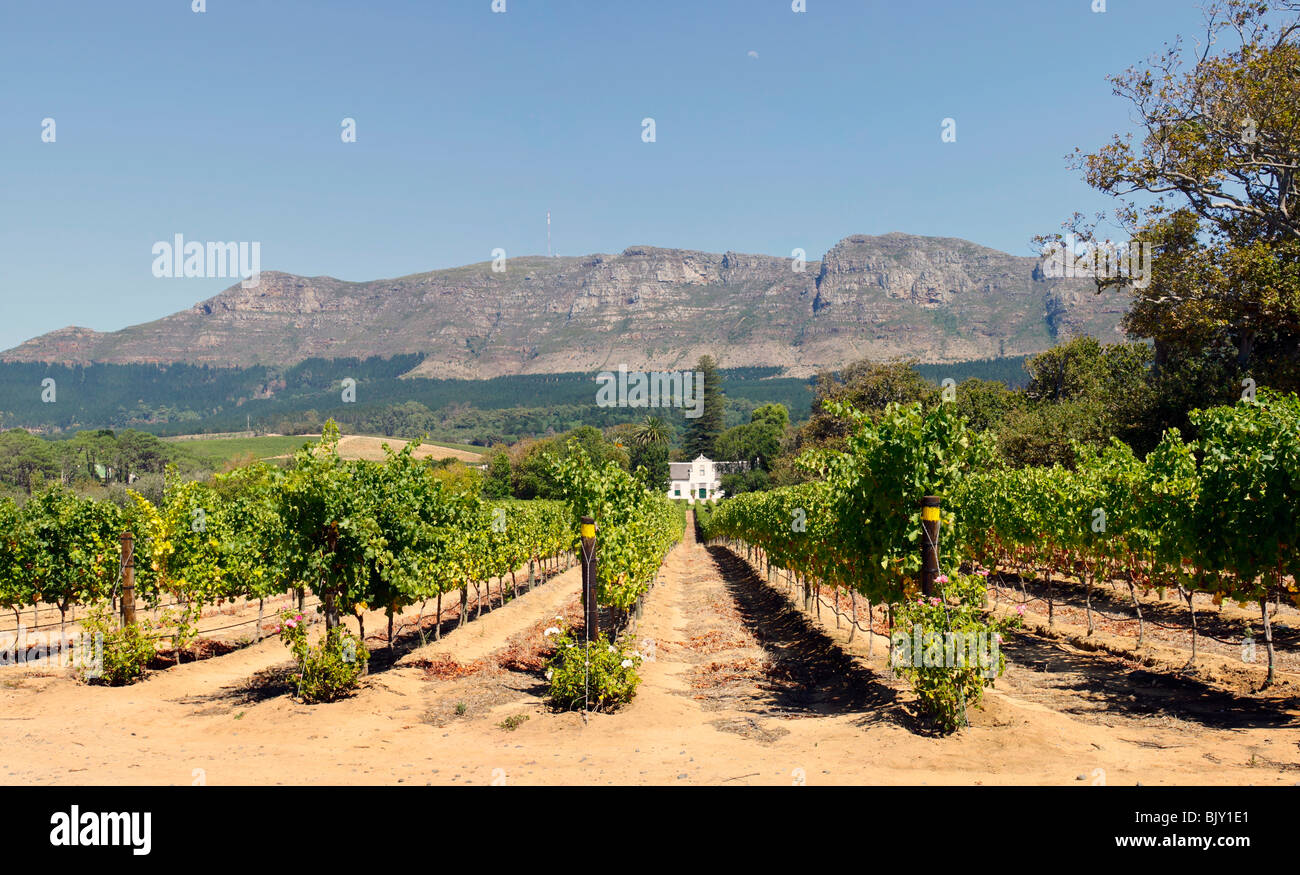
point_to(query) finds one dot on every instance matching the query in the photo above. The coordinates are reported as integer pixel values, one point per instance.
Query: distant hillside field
(216, 451)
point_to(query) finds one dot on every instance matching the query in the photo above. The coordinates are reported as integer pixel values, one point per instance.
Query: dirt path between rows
(743, 688)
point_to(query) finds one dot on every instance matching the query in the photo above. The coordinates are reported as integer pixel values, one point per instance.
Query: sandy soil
(744, 688)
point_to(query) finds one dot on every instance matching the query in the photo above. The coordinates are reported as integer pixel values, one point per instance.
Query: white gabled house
(699, 480)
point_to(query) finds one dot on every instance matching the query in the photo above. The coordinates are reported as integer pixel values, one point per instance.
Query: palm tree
(652, 432)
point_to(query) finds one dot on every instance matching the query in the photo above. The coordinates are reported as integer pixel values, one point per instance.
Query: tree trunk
(437, 629)
(853, 614)
(1268, 641)
(1191, 606)
(1245, 348)
(1138, 607)
(260, 606)
(1051, 605)
(331, 614)
(390, 632)
(464, 604)
(1087, 599)
(889, 627)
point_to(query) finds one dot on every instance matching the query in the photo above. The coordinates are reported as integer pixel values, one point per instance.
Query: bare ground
(743, 688)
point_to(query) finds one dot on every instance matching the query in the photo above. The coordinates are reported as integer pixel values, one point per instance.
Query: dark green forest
(186, 399)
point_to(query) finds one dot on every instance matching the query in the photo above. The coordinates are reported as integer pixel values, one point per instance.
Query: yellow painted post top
(588, 530)
(930, 514)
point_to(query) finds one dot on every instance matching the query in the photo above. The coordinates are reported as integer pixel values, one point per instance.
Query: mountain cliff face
(937, 299)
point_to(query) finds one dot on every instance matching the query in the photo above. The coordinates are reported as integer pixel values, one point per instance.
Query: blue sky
(225, 126)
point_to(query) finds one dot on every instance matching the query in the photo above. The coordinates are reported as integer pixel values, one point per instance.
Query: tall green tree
(650, 463)
(702, 431)
(497, 483)
(25, 459)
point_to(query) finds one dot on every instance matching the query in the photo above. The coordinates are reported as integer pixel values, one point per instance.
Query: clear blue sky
(471, 125)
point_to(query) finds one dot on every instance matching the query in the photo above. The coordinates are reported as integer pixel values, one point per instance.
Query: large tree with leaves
(1212, 183)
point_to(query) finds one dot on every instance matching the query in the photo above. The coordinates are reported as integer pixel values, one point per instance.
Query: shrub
(949, 649)
(126, 652)
(601, 675)
(331, 669)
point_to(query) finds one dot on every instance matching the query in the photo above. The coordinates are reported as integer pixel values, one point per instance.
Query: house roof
(679, 470)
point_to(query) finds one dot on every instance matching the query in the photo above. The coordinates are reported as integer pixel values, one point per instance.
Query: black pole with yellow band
(929, 543)
(591, 620)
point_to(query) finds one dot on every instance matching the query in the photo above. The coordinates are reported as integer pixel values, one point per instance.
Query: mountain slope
(938, 299)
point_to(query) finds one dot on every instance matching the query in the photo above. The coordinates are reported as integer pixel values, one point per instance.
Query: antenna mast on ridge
(548, 233)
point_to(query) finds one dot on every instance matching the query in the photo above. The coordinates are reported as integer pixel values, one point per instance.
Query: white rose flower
(549, 673)
(611, 648)
(551, 631)
(627, 663)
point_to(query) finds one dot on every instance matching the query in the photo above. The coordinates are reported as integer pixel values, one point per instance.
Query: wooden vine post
(128, 579)
(929, 543)
(591, 619)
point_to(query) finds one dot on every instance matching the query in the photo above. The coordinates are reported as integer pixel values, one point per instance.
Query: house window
(677, 493)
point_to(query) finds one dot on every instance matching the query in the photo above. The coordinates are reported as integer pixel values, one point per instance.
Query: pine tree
(702, 431)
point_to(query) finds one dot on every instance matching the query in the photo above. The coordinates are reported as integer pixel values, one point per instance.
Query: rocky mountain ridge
(932, 298)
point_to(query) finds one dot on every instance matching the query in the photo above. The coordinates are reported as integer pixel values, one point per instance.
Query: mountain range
(936, 299)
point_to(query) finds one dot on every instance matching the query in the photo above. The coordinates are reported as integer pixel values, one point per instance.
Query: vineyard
(1217, 516)
(357, 535)
(352, 542)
